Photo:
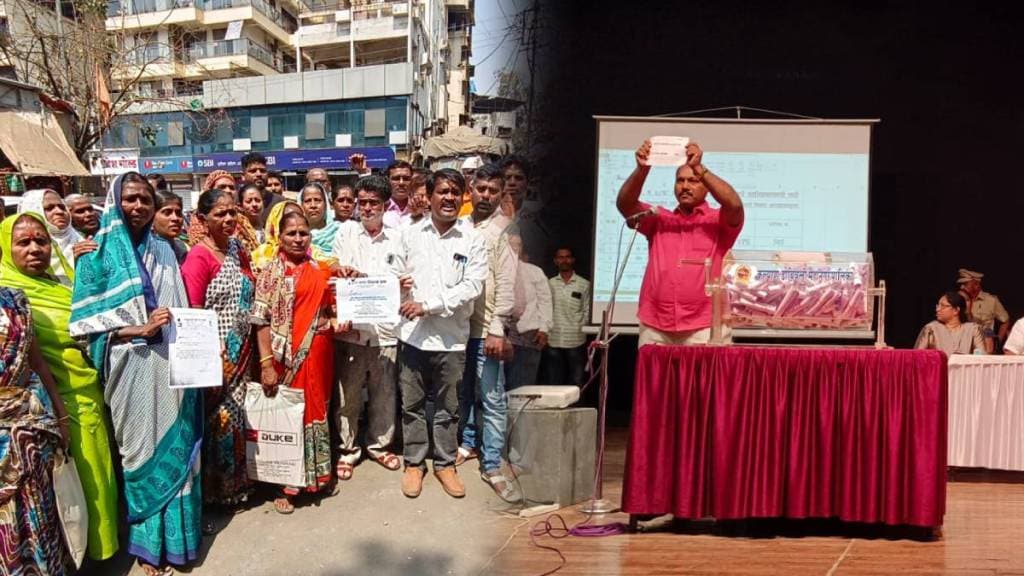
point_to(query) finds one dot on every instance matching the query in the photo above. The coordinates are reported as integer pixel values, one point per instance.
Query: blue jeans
(483, 405)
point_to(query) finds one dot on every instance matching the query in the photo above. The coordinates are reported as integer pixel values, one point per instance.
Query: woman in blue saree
(123, 291)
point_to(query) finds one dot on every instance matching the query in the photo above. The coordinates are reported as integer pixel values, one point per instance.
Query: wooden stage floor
(983, 535)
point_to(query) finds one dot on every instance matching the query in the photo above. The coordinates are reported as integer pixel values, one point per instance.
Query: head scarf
(112, 287)
(10, 275)
(323, 238)
(214, 176)
(196, 228)
(51, 312)
(267, 251)
(65, 238)
(60, 268)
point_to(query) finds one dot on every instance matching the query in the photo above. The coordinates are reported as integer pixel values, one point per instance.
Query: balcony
(209, 57)
(130, 14)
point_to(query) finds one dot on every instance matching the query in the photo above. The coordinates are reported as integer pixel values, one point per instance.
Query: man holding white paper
(674, 308)
(366, 356)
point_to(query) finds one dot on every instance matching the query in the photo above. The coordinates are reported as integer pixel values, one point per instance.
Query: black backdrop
(945, 157)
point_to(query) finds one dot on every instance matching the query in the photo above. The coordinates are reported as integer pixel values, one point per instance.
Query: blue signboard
(329, 158)
(166, 164)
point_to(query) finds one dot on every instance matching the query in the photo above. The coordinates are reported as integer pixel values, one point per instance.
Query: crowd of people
(86, 300)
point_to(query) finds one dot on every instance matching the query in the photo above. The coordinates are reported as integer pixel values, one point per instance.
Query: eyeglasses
(943, 305)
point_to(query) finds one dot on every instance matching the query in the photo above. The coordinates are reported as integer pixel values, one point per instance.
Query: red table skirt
(743, 432)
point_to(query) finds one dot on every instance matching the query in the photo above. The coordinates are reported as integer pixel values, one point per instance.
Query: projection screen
(804, 185)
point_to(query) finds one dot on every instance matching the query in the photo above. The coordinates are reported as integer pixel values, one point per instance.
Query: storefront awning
(36, 146)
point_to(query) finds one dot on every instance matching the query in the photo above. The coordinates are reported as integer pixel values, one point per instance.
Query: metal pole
(597, 504)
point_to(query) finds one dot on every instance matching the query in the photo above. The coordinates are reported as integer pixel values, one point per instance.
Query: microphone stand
(597, 503)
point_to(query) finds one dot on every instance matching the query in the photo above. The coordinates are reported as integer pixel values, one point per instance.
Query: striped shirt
(571, 311)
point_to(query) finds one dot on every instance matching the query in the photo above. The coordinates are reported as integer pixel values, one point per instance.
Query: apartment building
(306, 82)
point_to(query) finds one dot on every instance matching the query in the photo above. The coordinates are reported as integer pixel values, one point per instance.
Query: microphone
(649, 212)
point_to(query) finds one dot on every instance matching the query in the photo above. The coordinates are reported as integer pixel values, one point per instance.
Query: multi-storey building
(306, 82)
(460, 48)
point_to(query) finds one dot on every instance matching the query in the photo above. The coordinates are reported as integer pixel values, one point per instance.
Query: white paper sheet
(194, 349)
(667, 151)
(369, 300)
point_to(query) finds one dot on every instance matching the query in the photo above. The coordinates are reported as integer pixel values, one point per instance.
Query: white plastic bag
(274, 446)
(74, 516)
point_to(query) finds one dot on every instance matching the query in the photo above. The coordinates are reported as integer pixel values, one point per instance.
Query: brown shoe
(412, 481)
(451, 482)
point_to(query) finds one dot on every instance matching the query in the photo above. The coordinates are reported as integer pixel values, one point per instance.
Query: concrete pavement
(369, 528)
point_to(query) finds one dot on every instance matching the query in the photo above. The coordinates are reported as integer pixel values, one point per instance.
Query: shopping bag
(74, 516)
(274, 446)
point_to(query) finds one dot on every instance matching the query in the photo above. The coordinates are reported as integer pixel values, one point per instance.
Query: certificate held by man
(194, 349)
(368, 300)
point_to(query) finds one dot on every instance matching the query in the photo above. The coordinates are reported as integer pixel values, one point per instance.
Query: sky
(496, 41)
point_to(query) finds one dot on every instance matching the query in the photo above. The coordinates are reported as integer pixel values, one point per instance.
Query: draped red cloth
(744, 432)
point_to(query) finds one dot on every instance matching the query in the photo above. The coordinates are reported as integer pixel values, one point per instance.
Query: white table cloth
(986, 412)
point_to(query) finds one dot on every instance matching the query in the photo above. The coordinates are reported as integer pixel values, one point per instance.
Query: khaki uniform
(985, 310)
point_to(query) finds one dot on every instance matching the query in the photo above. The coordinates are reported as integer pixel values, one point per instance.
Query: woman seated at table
(950, 331)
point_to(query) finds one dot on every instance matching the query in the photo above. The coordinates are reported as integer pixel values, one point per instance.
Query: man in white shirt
(442, 264)
(531, 318)
(482, 404)
(565, 356)
(365, 357)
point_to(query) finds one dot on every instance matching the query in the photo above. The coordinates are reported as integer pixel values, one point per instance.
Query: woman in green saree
(77, 381)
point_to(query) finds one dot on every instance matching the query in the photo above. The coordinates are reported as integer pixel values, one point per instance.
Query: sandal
(151, 570)
(508, 493)
(465, 454)
(389, 461)
(283, 505)
(344, 471)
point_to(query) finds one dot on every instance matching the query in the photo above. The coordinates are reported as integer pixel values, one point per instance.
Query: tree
(98, 76)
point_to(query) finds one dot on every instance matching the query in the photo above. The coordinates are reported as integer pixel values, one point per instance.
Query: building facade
(306, 82)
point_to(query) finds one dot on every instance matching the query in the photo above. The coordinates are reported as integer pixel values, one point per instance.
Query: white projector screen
(804, 185)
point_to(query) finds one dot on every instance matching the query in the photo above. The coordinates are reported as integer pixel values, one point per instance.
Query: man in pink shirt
(674, 308)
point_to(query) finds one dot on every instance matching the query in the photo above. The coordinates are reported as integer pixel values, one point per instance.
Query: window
(375, 125)
(175, 134)
(315, 126)
(259, 129)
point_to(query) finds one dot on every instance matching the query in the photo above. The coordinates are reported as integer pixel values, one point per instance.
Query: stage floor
(982, 535)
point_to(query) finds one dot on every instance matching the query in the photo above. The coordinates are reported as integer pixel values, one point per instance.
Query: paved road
(368, 528)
